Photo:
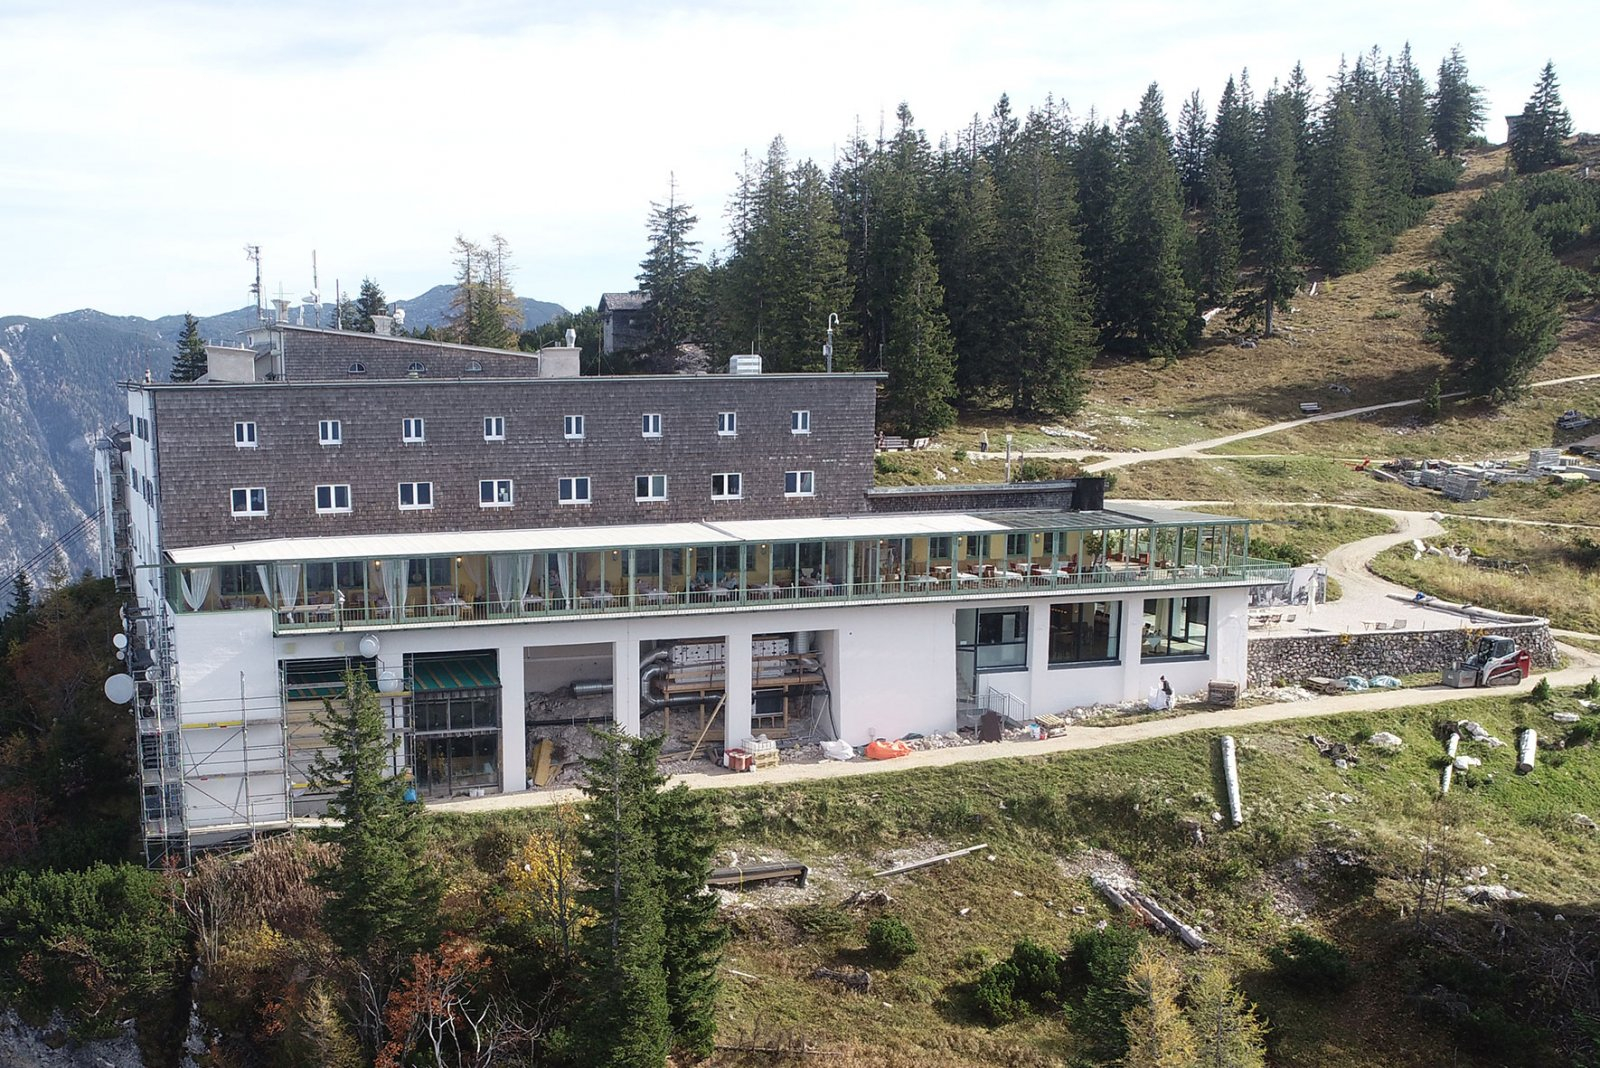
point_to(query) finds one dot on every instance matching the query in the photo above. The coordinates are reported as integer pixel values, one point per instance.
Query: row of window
(413, 429)
(1087, 632)
(501, 493)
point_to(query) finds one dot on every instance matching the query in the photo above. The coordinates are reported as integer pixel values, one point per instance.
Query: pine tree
(965, 232)
(1095, 177)
(818, 279)
(667, 274)
(1158, 1035)
(370, 302)
(693, 939)
(1539, 135)
(1193, 148)
(918, 354)
(382, 900)
(190, 362)
(1410, 93)
(1339, 235)
(497, 269)
(1504, 311)
(1153, 305)
(21, 597)
(1458, 110)
(464, 301)
(1219, 234)
(624, 1017)
(1277, 245)
(1227, 1032)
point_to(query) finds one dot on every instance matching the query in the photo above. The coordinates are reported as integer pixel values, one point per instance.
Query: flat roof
(671, 535)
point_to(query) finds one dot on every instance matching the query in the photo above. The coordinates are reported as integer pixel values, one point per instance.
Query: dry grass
(1561, 580)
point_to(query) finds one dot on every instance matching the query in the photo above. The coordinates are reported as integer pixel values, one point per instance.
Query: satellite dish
(119, 689)
(121, 655)
(119, 641)
(369, 646)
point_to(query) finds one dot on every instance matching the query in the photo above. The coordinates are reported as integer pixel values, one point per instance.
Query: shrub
(820, 921)
(889, 939)
(1580, 734)
(1541, 691)
(1386, 313)
(995, 995)
(1311, 964)
(1591, 689)
(1038, 973)
(1421, 277)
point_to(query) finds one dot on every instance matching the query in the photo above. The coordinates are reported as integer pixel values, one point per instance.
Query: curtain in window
(562, 578)
(511, 573)
(281, 581)
(196, 584)
(395, 579)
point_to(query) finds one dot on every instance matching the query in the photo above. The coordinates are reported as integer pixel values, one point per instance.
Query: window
(726, 486)
(415, 496)
(650, 488)
(939, 547)
(1174, 626)
(244, 435)
(412, 429)
(800, 422)
(494, 428)
(727, 423)
(330, 432)
(799, 483)
(494, 493)
(149, 490)
(572, 427)
(996, 638)
(333, 499)
(358, 368)
(133, 479)
(141, 427)
(250, 500)
(650, 425)
(474, 367)
(573, 490)
(416, 368)
(1017, 544)
(1085, 633)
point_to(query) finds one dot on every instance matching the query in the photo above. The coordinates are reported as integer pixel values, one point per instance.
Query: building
(624, 322)
(476, 529)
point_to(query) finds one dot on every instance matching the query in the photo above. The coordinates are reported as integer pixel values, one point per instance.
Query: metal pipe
(1527, 750)
(591, 687)
(1230, 775)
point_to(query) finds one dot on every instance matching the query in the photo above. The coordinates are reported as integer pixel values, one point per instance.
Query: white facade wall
(143, 512)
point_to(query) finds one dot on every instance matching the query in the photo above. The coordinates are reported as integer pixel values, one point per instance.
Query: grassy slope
(1135, 801)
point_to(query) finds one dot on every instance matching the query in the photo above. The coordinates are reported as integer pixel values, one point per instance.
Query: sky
(143, 146)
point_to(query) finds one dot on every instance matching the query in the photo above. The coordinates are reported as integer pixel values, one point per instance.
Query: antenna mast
(253, 253)
(316, 290)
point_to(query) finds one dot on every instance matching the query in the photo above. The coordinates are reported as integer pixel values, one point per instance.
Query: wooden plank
(541, 761)
(914, 865)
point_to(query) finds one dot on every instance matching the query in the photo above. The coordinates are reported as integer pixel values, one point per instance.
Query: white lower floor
(890, 669)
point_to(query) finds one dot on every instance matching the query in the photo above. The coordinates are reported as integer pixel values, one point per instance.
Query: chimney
(281, 310)
(381, 324)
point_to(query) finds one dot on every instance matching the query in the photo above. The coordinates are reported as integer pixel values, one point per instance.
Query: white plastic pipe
(1527, 750)
(1230, 775)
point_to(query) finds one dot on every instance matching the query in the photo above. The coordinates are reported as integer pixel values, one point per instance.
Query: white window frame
(737, 484)
(330, 432)
(494, 428)
(727, 424)
(567, 488)
(244, 436)
(333, 506)
(502, 493)
(800, 421)
(804, 482)
(250, 497)
(572, 427)
(650, 484)
(416, 504)
(413, 429)
(650, 425)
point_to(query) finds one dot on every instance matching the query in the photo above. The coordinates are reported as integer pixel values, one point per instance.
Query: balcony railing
(645, 599)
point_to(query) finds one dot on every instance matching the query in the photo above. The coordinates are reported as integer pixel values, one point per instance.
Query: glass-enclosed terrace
(382, 580)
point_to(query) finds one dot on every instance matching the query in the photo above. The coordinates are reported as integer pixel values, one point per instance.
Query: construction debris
(862, 899)
(1527, 750)
(1490, 895)
(1145, 909)
(1230, 777)
(1565, 717)
(1388, 742)
(753, 875)
(849, 978)
(929, 862)
(1335, 751)
(1476, 732)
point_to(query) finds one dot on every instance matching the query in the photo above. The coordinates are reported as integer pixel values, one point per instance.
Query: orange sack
(882, 750)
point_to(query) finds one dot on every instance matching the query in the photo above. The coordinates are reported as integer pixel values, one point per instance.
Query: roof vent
(381, 324)
(744, 365)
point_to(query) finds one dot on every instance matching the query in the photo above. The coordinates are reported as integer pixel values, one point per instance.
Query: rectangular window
(572, 427)
(149, 490)
(650, 488)
(244, 435)
(998, 638)
(1175, 626)
(415, 496)
(1017, 544)
(330, 432)
(799, 484)
(1051, 540)
(800, 422)
(727, 486)
(333, 499)
(727, 424)
(494, 493)
(494, 428)
(939, 547)
(411, 429)
(573, 490)
(1085, 633)
(650, 425)
(141, 427)
(250, 500)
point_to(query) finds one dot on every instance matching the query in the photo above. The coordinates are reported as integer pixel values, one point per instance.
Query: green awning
(477, 671)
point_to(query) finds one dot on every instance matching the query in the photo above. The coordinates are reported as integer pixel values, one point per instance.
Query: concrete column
(513, 716)
(1132, 647)
(625, 684)
(736, 709)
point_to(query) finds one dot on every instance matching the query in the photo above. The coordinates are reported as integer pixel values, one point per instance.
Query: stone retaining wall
(1382, 652)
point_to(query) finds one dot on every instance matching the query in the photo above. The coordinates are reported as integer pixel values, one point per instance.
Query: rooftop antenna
(253, 253)
(314, 298)
(827, 349)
